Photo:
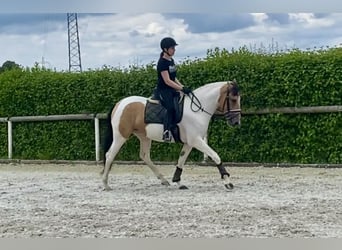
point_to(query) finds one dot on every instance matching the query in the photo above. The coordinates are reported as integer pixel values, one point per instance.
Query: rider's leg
(167, 102)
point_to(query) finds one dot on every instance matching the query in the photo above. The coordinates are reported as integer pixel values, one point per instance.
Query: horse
(127, 118)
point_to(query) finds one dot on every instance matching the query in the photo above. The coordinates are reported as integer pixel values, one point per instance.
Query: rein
(195, 101)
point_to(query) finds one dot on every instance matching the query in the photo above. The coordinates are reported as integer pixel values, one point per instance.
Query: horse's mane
(235, 88)
(212, 84)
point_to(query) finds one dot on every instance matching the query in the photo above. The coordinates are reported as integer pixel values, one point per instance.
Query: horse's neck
(208, 96)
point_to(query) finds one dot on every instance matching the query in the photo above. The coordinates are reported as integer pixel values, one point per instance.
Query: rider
(168, 86)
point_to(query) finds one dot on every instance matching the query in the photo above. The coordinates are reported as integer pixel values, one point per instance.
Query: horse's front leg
(179, 169)
(205, 156)
(202, 146)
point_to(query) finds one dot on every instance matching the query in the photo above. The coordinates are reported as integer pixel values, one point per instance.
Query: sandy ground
(68, 201)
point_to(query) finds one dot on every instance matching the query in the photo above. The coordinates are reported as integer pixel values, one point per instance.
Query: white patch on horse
(155, 132)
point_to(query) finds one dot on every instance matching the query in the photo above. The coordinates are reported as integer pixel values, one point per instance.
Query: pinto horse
(127, 118)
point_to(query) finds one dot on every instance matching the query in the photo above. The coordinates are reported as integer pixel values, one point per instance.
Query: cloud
(278, 18)
(213, 22)
(133, 38)
(309, 20)
(161, 6)
(31, 24)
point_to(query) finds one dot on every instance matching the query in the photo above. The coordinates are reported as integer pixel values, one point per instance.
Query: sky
(132, 37)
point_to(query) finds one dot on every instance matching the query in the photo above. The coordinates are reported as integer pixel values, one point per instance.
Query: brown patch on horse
(222, 99)
(132, 120)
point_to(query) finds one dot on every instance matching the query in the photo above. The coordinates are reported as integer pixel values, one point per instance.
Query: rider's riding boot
(167, 136)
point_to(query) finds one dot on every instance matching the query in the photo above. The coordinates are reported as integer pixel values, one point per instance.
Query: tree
(9, 65)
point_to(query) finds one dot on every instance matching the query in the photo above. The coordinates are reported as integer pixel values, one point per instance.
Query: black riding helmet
(167, 43)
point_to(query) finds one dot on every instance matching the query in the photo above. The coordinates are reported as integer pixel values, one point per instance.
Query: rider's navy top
(169, 65)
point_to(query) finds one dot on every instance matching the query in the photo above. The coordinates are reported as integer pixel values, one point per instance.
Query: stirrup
(167, 136)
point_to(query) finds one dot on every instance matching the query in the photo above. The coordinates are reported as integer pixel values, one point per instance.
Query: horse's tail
(108, 137)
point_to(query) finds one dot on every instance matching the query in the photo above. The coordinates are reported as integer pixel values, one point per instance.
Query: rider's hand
(186, 90)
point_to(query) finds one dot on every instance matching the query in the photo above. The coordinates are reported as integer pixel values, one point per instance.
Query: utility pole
(74, 44)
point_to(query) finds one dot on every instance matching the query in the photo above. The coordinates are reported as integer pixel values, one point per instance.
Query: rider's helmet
(167, 42)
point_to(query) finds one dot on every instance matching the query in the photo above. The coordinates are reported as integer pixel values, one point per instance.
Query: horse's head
(229, 103)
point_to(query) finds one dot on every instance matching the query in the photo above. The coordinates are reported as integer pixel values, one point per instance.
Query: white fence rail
(295, 110)
(97, 117)
(71, 117)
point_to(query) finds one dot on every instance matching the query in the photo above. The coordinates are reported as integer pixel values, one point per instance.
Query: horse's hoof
(165, 183)
(183, 187)
(229, 186)
(107, 189)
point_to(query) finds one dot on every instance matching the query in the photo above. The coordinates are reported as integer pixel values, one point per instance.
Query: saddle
(156, 113)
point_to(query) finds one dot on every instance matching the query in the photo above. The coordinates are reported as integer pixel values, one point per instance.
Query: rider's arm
(169, 82)
(178, 82)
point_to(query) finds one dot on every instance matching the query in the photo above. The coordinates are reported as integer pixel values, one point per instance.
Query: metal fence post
(10, 138)
(97, 139)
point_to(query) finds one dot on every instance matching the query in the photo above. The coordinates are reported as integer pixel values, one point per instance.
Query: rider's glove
(186, 90)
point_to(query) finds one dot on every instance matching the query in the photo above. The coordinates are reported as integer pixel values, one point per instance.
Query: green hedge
(293, 79)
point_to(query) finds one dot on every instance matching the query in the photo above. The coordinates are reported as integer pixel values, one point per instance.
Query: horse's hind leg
(145, 147)
(110, 155)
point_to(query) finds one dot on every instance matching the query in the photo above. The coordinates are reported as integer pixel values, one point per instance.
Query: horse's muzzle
(233, 117)
(236, 124)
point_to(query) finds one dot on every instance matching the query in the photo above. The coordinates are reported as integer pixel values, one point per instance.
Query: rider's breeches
(168, 102)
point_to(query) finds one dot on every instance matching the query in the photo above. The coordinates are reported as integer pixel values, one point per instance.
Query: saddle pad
(154, 113)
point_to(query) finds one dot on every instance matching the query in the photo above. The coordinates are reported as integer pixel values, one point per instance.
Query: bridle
(229, 114)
